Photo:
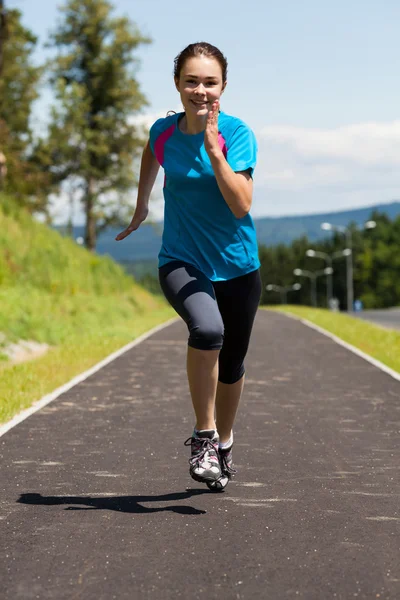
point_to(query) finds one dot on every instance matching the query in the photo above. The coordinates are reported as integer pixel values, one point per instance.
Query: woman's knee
(207, 336)
(230, 371)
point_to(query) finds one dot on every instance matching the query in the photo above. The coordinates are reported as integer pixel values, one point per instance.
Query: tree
(378, 264)
(19, 82)
(3, 32)
(376, 256)
(91, 138)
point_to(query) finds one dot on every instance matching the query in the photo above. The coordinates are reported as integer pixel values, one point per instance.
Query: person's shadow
(128, 504)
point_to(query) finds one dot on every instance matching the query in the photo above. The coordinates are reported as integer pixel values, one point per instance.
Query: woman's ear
(223, 87)
(176, 81)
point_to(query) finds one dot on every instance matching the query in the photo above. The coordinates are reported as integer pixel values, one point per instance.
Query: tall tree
(92, 137)
(3, 32)
(19, 82)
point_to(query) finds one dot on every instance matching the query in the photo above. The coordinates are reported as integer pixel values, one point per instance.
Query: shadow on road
(128, 504)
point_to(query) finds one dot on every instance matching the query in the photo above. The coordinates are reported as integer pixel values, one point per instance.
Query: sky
(317, 81)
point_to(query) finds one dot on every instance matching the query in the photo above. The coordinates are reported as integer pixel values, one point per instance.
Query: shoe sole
(218, 486)
(202, 479)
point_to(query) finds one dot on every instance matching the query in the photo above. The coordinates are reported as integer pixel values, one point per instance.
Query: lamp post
(329, 258)
(312, 275)
(349, 267)
(283, 290)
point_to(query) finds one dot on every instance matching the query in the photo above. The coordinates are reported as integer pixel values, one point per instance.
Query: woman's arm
(148, 172)
(236, 187)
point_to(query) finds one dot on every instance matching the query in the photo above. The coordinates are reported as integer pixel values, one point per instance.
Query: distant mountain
(143, 245)
(283, 230)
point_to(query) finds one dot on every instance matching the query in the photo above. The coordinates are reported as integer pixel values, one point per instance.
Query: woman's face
(200, 84)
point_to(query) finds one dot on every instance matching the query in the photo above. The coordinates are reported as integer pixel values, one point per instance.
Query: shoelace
(225, 467)
(204, 445)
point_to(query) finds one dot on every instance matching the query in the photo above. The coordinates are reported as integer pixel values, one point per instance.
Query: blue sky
(316, 80)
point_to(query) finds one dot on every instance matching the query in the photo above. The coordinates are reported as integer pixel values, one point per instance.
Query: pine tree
(91, 138)
(19, 82)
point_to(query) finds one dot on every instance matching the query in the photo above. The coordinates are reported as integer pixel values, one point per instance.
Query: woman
(208, 262)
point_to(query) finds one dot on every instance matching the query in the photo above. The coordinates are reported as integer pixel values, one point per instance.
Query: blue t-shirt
(199, 227)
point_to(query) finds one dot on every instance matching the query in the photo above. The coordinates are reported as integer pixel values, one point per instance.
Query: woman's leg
(192, 296)
(226, 404)
(238, 301)
(202, 371)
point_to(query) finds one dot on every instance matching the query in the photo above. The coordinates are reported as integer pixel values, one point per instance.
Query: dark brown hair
(200, 49)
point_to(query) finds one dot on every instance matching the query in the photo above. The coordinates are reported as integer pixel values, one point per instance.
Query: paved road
(97, 502)
(389, 317)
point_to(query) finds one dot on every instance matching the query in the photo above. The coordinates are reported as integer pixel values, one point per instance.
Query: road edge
(360, 353)
(27, 412)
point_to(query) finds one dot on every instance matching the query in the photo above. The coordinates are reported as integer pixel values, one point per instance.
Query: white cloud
(313, 170)
(365, 143)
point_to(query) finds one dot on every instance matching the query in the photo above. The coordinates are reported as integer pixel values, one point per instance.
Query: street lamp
(283, 290)
(349, 269)
(312, 275)
(329, 258)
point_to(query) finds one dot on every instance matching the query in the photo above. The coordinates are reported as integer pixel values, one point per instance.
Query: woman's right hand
(137, 220)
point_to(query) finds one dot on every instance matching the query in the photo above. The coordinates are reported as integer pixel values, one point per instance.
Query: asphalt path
(97, 503)
(389, 317)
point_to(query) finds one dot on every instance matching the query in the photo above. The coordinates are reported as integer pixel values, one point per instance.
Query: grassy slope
(381, 344)
(53, 291)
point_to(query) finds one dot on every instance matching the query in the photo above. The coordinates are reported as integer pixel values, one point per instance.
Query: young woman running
(208, 262)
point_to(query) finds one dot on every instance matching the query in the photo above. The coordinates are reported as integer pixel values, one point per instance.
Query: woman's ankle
(211, 427)
(226, 441)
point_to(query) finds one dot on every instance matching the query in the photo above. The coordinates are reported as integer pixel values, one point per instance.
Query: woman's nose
(201, 89)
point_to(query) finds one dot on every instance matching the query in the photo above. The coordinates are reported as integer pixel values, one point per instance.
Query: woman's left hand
(211, 132)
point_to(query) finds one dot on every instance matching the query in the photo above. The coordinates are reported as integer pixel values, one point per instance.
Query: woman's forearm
(236, 188)
(148, 172)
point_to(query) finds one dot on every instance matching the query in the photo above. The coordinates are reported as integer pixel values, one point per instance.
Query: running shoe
(204, 461)
(227, 470)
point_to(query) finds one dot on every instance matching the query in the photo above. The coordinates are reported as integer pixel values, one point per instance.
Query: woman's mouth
(199, 104)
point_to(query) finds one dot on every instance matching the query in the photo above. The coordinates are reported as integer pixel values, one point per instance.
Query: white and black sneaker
(204, 461)
(227, 470)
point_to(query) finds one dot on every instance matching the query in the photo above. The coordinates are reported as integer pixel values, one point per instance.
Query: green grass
(382, 344)
(22, 384)
(55, 292)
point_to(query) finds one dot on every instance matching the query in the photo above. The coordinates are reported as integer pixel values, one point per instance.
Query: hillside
(144, 244)
(283, 230)
(79, 305)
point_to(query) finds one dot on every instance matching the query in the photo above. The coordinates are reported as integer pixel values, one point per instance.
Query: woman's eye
(208, 83)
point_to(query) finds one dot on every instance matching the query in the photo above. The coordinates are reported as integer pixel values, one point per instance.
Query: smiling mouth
(198, 103)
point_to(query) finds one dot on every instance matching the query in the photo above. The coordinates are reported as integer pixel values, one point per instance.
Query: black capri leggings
(219, 314)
